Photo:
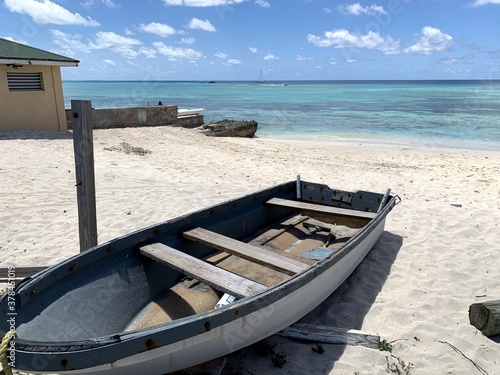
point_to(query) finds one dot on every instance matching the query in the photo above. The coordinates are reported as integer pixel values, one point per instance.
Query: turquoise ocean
(461, 114)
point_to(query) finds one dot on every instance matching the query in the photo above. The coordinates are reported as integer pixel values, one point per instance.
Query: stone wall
(139, 116)
(190, 121)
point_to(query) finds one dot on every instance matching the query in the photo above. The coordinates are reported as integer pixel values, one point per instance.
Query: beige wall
(33, 110)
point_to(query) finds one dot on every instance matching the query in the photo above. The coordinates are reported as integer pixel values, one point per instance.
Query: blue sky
(288, 40)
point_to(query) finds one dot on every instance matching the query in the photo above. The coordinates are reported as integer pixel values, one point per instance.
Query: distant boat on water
(261, 80)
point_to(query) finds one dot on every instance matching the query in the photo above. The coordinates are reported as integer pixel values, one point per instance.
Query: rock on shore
(229, 128)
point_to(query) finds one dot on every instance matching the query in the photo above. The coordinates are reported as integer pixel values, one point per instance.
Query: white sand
(439, 254)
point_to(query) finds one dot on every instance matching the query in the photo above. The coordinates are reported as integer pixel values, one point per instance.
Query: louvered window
(24, 81)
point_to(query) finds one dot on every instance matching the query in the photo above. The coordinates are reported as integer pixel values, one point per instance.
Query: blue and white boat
(197, 287)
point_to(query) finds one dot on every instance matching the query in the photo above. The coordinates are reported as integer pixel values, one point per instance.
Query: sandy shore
(439, 254)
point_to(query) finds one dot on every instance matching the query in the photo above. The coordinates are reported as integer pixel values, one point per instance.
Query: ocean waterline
(463, 114)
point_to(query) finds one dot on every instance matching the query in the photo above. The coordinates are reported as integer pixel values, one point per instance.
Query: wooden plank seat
(246, 251)
(213, 276)
(329, 214)
(321, 208)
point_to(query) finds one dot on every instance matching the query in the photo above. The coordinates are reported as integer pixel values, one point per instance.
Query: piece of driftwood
(331, 335)
(485, 316)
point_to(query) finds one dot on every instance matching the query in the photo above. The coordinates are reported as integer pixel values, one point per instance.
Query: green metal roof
(17, 53)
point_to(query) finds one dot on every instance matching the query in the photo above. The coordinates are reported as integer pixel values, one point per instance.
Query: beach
(439, 253)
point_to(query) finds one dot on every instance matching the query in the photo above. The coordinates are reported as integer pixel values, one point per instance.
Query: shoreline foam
(395, 141)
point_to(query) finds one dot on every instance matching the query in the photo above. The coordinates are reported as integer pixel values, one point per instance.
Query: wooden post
(485, 317)
(81, 122)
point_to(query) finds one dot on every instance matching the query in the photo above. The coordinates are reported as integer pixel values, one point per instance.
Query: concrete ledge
(129, 117)
(190, 121)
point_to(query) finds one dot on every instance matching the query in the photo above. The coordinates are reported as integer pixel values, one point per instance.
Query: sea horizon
(303, 81)
(442, 113)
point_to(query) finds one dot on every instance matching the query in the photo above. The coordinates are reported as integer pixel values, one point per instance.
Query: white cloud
(157, 28)
(356, 9)
(342, 38)
(302, 58)
(69, 44)
(187, 41)
(478, 3)
(449, 61)
(90, 3)
(175, 53)
(221, 55)
(132, 63)
(109, 4)
(149, 53)
(197, 24)
(262, 3)
(15, 40)
(109, 62)
(109, 39)
(116, 43)
(202, 3)
(270, 56)
(47, 12)
(253, 49)
(431, 40)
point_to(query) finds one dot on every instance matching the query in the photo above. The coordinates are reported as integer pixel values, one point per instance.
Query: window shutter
(23, 81)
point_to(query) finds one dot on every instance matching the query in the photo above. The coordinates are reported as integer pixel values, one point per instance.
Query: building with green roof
(31, 88)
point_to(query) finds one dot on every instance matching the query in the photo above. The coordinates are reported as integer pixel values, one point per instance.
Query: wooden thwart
(246, 251)
(331, 335)
(213, 276)
(321, 208)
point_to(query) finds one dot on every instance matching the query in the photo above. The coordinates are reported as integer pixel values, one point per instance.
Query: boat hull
(193, 340)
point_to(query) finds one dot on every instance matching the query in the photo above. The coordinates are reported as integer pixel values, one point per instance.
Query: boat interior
(237, 269)
(192, 264)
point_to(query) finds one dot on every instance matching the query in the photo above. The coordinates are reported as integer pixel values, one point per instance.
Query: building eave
(38, 62)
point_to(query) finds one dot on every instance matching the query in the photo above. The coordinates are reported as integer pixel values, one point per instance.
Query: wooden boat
(197, 287)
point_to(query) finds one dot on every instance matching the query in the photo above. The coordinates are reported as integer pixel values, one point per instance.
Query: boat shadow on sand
(345, 308)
